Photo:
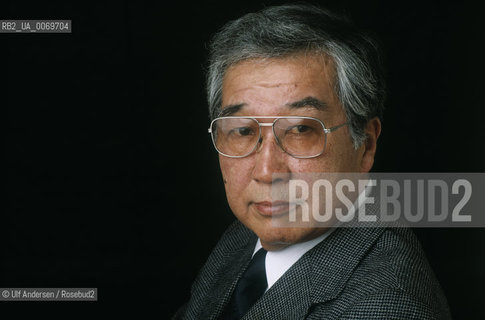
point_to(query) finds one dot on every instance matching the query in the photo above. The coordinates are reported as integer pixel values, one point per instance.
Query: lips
(271, 208)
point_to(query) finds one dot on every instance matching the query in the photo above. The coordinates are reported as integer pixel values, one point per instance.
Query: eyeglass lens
(300, 137)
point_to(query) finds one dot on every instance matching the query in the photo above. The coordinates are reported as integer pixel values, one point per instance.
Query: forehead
(279, 81)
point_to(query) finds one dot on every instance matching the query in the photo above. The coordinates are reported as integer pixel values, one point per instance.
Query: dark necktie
(249, 288)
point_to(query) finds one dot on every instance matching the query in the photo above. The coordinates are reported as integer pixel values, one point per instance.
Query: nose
(269, 159)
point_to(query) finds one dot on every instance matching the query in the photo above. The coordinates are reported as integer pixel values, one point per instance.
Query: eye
(298, 129)
(242, 131)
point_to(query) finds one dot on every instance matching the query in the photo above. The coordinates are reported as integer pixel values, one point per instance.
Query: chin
(278, 238)
(274, 237)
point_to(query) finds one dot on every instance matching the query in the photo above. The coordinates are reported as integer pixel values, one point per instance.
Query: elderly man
(295, 89)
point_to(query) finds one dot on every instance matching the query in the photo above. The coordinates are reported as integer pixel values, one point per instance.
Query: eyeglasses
(300, 137)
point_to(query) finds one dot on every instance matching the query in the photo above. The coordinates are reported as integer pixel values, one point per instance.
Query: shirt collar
(278, 262)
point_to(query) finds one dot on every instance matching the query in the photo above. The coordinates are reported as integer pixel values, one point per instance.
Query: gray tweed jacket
(355, 273)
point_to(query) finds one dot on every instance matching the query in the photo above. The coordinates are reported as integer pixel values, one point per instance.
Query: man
(296, 89)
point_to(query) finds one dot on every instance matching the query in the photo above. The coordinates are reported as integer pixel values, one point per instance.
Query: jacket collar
(319, 276)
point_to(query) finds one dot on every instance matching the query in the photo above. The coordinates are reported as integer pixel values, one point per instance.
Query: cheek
(340, 155)
(323, 163)
(236, 176)
(334, 160)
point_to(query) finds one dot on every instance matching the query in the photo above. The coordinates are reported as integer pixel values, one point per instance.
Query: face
(277, 87)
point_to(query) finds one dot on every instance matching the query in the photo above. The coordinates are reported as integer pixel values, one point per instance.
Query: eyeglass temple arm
(328, 130)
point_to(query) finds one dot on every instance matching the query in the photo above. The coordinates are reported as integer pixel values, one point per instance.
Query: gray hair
(289, 30)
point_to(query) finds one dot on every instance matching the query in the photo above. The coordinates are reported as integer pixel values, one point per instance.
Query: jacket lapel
(319, 275)
(225, 266)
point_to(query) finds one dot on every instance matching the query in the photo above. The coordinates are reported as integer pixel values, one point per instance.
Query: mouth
(271, 208)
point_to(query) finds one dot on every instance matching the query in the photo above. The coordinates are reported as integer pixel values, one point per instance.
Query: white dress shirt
(278, 262)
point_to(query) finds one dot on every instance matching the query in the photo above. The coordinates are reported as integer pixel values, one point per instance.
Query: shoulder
(392, 279)
(237, 239)
(389, 303)
(215, 278)
(393, 303)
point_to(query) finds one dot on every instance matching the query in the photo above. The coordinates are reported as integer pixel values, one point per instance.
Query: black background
(111, 179)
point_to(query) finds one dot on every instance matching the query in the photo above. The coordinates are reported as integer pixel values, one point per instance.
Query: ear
(372, 131)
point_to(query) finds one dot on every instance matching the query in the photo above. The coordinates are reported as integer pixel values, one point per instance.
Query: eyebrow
(231, 109)
(305, 102)
(308, 102)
